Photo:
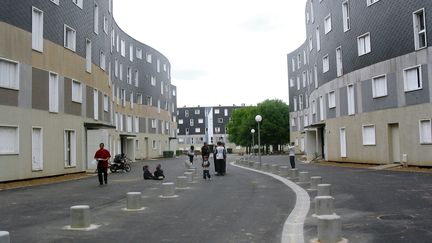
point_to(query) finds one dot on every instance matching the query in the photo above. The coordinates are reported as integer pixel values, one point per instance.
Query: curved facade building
(70, 78)
(360, 85)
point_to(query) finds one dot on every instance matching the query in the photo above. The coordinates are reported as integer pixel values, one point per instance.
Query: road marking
(293, 228)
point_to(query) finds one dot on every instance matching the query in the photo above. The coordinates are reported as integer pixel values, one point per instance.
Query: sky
(222, 52)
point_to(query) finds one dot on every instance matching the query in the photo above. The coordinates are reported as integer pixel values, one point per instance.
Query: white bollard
(324, 206)
(274, 169)
(315, 180)
(187, 164)
(190, 176)
(330, 229)
(181, 182)
(168, 190)
(324, 190)
(194, 172)
(133, 201)
(80, 216)
(294, 174)
(4, 237)
(284, 171)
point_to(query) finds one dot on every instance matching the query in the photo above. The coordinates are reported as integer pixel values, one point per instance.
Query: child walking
(206, 168)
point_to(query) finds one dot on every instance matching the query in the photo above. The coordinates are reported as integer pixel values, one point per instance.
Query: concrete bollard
(133, 201)
(304, 179)
(4, 237)
(294, 174)
(194, 172)
(329, 230)
(181, 182)
(190, 177)
(168, 190)
(284, 171)
(324, 190)
(324, 206)
(187, 164)
(80, 216)
(314, 181)
(274, 169)
(257, 165)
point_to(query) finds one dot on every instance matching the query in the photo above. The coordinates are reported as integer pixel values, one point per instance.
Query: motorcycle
(120, 163)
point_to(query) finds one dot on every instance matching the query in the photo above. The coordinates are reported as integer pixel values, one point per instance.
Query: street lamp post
(258, 119)
(253, 140)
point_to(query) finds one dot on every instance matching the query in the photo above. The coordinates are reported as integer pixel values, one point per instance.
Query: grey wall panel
(8, 97)
(40, 89)
(370, 103)
(90, 101)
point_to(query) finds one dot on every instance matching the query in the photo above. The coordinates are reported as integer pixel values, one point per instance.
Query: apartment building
(360, 85)
(70, 78)
(197, 125)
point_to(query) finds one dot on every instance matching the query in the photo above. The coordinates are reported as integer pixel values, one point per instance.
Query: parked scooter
(120, 163)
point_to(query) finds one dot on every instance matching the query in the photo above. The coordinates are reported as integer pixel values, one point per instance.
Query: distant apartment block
(197, 125)
(360, 86)
(71, 78)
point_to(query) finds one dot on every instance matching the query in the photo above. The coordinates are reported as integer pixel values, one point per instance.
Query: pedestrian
(191, 154)
(158, 174)
(102, 156)
(206, 168)
(205, 150)
(220, 159)
(146, 173)
(291, 153)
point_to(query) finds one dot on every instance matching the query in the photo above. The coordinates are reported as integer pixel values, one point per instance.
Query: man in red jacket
(102, 156)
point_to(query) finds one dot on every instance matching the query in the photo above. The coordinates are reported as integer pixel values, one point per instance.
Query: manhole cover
(395, 217)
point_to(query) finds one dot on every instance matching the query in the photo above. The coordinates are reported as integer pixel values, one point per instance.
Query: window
(200, 121)
(295, 103)
(79, 3)
(413, 79)
(131, 100)
(298, 61)
(105, 103)
(70, 148)
(363, 44)
(220, 120)
(351, 99)
(153, 80)
(186, 113)
(96, 18)
(148, 57)
(379, 86)
(180, 121)
(136, 124)
(116, 64)
(129, 124)
(292, 83)
(346, 16)
(120, 117)
(326, 63)
(153, 123)
(123, 48)
(105, 25)
(53, 92)
(339, 66)
(9, 74)
(293, 122)
(138, 53)
(162, 87)
(197, 130)
(419, 21)
(197, 112)
(154, 144)
(321, 106)
(331, 99)
(310, 43)
(129, 75)
(425, 131)
(327, 24)
(9, 139)
(305, 120)
(136, 78)
(88, 55)
(149, 100)
(191, 122)
(370, 2)
(121, 71)
(95, 104)
(158, 65)
(298, 83)
(369, 135)
(69, 38)
(139, 99)
(300, 100)
(316, 76)
(164, 67)
(37, 29)
(312, 11)
(76, 91)
(342, 137)
(318, 40)
(131, 53)
(304, 79)
(55, 2)
(293, 64)
(217, 129)
(102, 60)
(314, 107)
(216, 111)
(110, 6)
(225, 112)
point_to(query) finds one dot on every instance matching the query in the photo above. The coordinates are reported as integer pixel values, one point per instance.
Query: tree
(274, 128)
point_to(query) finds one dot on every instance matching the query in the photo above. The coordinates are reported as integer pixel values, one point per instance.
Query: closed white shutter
(425, 131)
(9, 140)
(9, 76)
(37, 29)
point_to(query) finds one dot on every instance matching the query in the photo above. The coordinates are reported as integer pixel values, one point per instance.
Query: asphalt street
(243, 206)
(239, 207)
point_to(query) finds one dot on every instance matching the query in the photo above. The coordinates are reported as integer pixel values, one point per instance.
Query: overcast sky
(222, 52)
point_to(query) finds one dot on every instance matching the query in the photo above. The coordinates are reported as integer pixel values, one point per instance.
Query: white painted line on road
(293, 228)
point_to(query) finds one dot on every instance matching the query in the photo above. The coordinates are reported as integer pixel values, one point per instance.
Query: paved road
(239, 207)
(363, 196)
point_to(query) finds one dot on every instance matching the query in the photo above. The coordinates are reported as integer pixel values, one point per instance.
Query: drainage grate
(396, 217)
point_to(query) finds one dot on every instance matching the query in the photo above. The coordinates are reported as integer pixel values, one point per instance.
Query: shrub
(168, 154)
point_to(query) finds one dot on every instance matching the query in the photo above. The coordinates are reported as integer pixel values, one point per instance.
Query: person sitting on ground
(158, 174)
(147, 174)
